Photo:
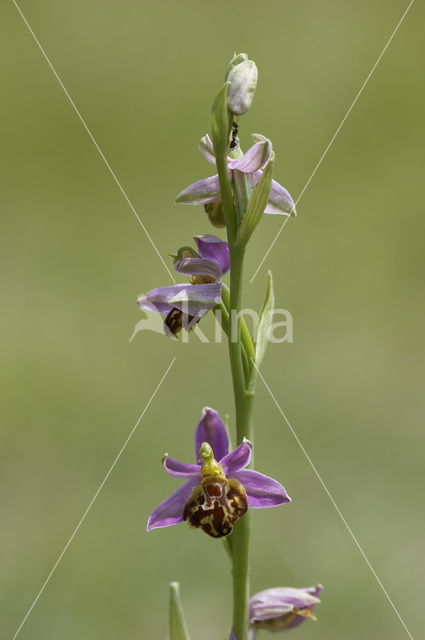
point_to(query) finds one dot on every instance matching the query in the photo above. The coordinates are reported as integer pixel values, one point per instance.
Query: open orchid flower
(281, 609)
(218, 489)
(207, 191)
(185, 304)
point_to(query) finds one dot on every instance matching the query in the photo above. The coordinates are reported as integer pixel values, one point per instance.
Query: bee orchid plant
(221, 487)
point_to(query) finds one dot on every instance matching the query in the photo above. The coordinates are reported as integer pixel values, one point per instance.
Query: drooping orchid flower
(185, 304)
(218, 488)
(281, 609)
(206, 192)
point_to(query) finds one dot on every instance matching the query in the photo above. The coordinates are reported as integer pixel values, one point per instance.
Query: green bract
(262, 337)
(256, 204)
(178, 630)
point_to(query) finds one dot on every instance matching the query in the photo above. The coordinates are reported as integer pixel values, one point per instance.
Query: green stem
(248, 351)
(244, 429)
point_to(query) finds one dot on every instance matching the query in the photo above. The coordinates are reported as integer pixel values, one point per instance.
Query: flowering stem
(248, 351)
(234, 206)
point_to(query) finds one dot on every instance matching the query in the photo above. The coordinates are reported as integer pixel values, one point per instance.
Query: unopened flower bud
(243, 81)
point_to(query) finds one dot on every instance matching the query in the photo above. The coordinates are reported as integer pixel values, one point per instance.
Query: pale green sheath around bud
(243, 81)
(237, 59)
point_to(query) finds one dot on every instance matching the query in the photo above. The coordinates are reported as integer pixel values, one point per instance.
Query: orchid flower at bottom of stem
(281, 609)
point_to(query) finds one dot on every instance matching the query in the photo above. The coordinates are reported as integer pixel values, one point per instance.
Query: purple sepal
(271, 209)
(256, 157)
(213, 248)
(211, 429)
(261, 491)
(201, 192)
(170, 511)
(280, 200)
(191, 299)
(237, 459)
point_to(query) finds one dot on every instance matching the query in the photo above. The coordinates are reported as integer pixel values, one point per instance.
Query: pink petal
(179, 469)
(237, 459)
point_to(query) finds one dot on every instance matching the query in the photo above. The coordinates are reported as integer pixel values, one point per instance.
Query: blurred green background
(350, 269)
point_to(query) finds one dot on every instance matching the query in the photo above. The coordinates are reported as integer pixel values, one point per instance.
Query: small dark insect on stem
(234, 143)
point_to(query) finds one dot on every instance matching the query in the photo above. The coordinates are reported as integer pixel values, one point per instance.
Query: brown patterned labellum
(176, 320)
(216, 505)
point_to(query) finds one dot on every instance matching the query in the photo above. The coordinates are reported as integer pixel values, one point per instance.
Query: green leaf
(256, 205)
(261, 339)
(178, 630)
